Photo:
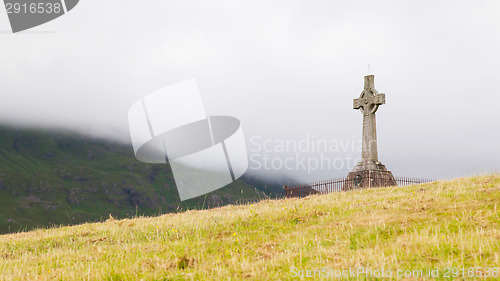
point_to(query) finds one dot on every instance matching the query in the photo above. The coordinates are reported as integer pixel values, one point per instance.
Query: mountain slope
(49, 178)
(430, 226)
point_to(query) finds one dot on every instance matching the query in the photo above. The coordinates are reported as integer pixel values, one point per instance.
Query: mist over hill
(55, 177)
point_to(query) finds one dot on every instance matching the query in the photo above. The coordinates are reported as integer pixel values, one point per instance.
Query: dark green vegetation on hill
(52, 178)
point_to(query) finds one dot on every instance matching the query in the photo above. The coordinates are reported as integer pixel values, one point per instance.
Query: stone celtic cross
(368, 103)
(369, 172)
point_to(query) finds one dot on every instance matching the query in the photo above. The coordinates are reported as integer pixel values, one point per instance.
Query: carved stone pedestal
(368, 174)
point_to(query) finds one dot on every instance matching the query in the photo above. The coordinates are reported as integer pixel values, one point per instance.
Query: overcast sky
(287, 69)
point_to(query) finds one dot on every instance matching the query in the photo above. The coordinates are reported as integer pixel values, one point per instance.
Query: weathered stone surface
(369, 172)
(367, 179)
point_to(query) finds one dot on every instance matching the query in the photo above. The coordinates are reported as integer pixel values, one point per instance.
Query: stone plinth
(366, 175)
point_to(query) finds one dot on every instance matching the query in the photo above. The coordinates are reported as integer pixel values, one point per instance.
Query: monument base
(368, 174)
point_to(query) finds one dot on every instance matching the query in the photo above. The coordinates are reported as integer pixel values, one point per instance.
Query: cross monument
(369, 172)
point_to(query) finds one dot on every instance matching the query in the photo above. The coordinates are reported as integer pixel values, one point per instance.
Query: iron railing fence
(345, 184)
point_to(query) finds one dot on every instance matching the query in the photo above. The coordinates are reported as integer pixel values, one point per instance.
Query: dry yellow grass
(443, 224)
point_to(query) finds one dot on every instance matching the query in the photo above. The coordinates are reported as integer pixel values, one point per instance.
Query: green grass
(443, 224)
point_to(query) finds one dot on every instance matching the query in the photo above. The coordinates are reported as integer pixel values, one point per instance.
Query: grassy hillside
(53, 178)
(437, 225)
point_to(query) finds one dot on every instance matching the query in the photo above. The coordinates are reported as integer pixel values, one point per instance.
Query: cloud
(286, 69)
